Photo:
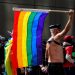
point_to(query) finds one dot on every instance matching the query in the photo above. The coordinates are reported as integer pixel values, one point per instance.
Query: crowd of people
(58, 56)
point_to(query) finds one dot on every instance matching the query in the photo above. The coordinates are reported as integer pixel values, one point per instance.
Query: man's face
(57, 30)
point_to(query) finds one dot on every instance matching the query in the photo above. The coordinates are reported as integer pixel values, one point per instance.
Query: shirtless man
(54, 50)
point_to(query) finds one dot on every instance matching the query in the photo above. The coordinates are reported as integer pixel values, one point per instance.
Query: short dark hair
(55, 26)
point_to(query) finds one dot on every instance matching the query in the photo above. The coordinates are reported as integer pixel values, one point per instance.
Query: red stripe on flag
(13, 56)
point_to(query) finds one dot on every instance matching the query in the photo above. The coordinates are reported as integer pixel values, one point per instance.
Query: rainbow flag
(27, 39)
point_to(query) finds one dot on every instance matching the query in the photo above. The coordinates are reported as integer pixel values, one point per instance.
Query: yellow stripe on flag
(19, 39)
(24, 37)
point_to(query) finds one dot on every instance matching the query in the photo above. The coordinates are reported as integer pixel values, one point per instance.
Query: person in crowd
(69, 55)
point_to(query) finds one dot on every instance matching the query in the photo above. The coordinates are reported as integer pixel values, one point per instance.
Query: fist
(44, 69)
(71, 12)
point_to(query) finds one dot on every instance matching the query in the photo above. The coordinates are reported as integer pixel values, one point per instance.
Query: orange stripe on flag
(19, 39)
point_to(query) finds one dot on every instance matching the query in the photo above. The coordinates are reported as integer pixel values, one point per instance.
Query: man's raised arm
(68, 24)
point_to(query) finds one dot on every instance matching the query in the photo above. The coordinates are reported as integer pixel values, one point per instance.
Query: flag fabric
(27, 39)
(8, 67)
(34, 47)
(13, 52)
(39, 37)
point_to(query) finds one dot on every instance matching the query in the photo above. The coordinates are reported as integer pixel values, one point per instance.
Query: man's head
(56, 28)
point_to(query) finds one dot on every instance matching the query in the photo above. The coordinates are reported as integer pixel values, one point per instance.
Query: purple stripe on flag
(39, 37)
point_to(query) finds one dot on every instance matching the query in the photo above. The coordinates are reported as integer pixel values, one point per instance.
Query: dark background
(6, 13)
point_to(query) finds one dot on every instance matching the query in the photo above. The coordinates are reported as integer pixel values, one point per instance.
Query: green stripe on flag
(29, 37)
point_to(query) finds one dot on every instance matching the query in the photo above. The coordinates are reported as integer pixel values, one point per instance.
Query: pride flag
(27, 39)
